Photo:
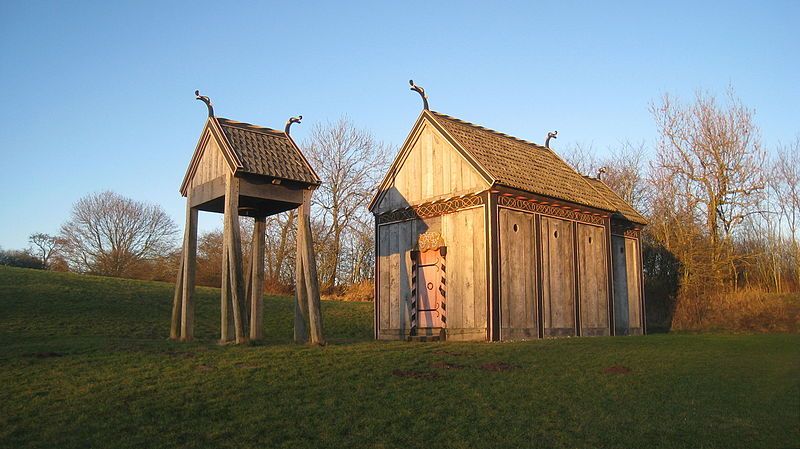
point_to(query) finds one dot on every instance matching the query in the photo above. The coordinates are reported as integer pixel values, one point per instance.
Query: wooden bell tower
(244, 170)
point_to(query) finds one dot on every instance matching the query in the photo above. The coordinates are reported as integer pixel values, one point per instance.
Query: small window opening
(621, 250)
(516, 228)
(590, 240)
(555, 234)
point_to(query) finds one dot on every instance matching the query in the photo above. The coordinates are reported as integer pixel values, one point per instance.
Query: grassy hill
(85, 362)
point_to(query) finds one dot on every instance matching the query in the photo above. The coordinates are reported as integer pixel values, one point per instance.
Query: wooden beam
(268, 191)
(257, 273)
(207, 191)
(232, 239)
(189, 266)
(310, 271)
(300, 293)
(177, 303)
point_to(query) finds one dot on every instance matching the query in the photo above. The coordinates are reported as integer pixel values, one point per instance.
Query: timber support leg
(257, 276)
(232, 241)
(188, 277)
(310, 271)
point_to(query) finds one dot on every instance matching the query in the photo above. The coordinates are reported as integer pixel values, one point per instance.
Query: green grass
(85, 362)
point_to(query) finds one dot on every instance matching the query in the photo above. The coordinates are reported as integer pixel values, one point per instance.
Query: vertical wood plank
(558, 276)
(428, 166)
(619, 272)
(406, 245)
(592, 276)
(385, 277)
(467, 235)
(394, 276)
(632, 274)
(479, 269)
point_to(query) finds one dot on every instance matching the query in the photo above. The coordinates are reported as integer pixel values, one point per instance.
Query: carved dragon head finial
(421, 92)
(601, 172)
(291, 121)
(550, 135)
(205, 100)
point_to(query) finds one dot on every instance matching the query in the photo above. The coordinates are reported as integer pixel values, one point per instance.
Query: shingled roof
(621, 206)
(522, 165)
(266, 152)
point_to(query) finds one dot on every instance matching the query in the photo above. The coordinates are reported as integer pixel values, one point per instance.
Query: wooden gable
(428, 167)
(212, 159)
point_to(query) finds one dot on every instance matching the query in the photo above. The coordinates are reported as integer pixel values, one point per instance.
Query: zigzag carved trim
(530, 206)
(632, 233)
(434, 209)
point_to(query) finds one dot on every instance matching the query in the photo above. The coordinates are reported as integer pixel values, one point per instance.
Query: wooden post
(300, 293)
(257, 275)
(232, 239)
(189, 266)
(248, 282)
(226, 316)
(310, 271)
(177, 303)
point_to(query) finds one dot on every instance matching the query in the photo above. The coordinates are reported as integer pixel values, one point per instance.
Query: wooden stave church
(483, 197)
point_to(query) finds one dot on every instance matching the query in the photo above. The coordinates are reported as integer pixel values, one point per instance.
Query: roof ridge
(250, 126)
(493, 131)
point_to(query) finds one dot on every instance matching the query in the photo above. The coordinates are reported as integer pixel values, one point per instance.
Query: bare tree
(582, 158)
(714, 152)
(350, 162)
(624, 173)
(44, 246)
(109, 234)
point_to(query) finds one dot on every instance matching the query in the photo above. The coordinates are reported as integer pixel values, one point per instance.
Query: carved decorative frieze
(530, 206)
(434, 209)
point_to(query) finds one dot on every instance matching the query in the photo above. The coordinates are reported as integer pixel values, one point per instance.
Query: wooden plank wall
(432, 170)
(463, 233)
(593, 280)
(518, 275)
(212, 164)
(634, 293)
(558, 277)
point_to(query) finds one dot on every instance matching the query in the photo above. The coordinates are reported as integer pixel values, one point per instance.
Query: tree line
(111, 235)
(723, 212)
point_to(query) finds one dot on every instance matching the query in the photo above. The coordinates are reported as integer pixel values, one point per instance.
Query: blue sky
(100, 95)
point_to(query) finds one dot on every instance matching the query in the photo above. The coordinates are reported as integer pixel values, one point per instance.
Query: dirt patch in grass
(204, 368)
(45, 355)
(245, 365)
(413, 374)
(617, 369)
(447, 365)
(445, 352)
(498, 366)
(184, 355)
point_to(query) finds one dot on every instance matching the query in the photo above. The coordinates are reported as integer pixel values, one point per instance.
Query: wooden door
(430, 290)
(558, 277)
